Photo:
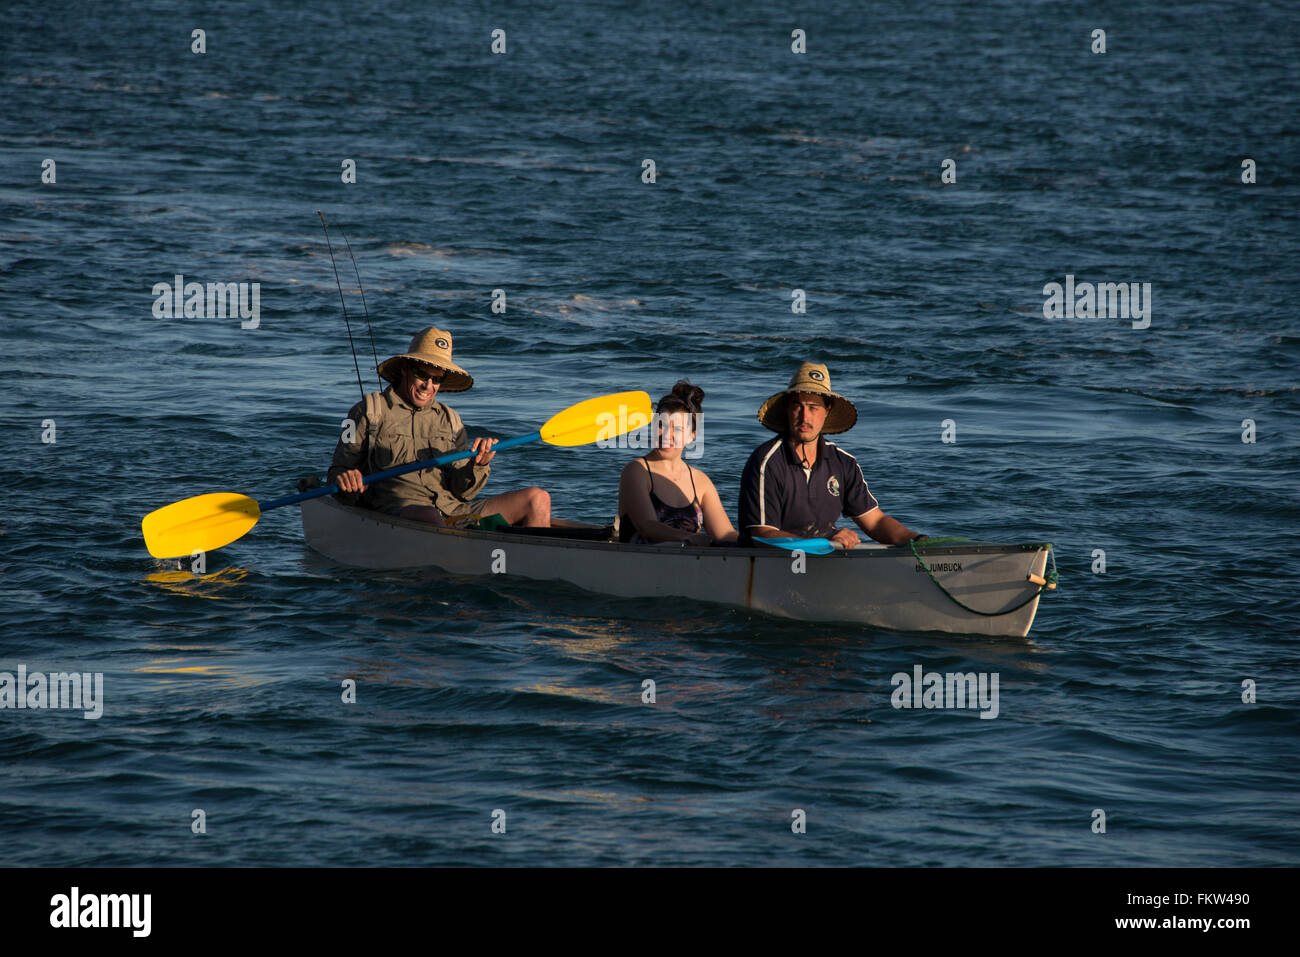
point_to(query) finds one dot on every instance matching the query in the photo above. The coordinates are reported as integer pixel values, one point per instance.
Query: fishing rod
(330, 245)
(364, 310)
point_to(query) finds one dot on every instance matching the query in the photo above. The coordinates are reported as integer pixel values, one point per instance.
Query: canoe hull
(871, 585)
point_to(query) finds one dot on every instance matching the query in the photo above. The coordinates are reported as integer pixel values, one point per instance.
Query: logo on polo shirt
(833, 486)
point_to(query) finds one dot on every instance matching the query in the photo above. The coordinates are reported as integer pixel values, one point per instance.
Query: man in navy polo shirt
(798, 484)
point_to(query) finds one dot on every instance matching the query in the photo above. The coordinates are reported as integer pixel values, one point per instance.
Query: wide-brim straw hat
(432, 346)
(812, 377)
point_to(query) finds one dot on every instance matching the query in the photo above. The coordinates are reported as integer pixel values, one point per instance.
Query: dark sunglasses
(425, 372)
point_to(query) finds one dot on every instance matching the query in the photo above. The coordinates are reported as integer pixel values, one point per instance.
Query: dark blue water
(775, 172)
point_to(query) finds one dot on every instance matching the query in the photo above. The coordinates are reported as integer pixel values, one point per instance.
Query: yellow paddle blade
(604, 417)
(201, 523)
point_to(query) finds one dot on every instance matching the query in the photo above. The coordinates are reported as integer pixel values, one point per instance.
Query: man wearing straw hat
(406, 423)
(798, 484)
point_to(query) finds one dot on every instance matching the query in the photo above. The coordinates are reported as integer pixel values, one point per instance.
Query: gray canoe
(870, 585)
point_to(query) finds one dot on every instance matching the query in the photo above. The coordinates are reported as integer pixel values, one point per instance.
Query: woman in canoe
(663, 499)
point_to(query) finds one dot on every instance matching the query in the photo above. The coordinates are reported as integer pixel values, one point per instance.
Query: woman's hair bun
(692, 395)
(684, 398)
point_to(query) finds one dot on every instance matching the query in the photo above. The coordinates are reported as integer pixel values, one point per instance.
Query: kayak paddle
(207, 522)
(823, 546)
(809, 546)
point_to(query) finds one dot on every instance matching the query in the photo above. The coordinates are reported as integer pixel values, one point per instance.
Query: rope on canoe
(1050, 577)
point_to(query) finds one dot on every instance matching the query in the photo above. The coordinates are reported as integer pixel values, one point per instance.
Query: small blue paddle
(809, 546)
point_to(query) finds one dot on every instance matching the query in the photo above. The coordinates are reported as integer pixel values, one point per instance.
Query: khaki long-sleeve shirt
(406, 434)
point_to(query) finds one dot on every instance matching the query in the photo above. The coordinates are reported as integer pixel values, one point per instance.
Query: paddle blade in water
(604, 417)
(201, 523)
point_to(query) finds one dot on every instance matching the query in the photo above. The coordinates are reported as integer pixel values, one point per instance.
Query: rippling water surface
(775, 172)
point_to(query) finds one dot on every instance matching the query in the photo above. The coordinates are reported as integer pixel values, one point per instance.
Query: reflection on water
(608, 798)
(589, 693)
(227, 675)
(181, 582)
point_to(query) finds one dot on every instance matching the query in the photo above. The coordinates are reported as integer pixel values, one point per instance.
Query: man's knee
(537, 505)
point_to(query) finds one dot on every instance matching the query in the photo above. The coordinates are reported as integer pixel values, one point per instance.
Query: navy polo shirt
(775, 491)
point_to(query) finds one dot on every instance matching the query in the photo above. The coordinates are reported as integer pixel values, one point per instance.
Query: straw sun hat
(431, 346)
(812, 377)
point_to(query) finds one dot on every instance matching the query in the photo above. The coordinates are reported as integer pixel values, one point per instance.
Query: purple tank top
(688, 518)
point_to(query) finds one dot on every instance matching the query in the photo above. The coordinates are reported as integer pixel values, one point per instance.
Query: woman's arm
(716, 521)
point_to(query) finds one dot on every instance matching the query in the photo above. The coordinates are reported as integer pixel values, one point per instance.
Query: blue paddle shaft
(399, 470)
